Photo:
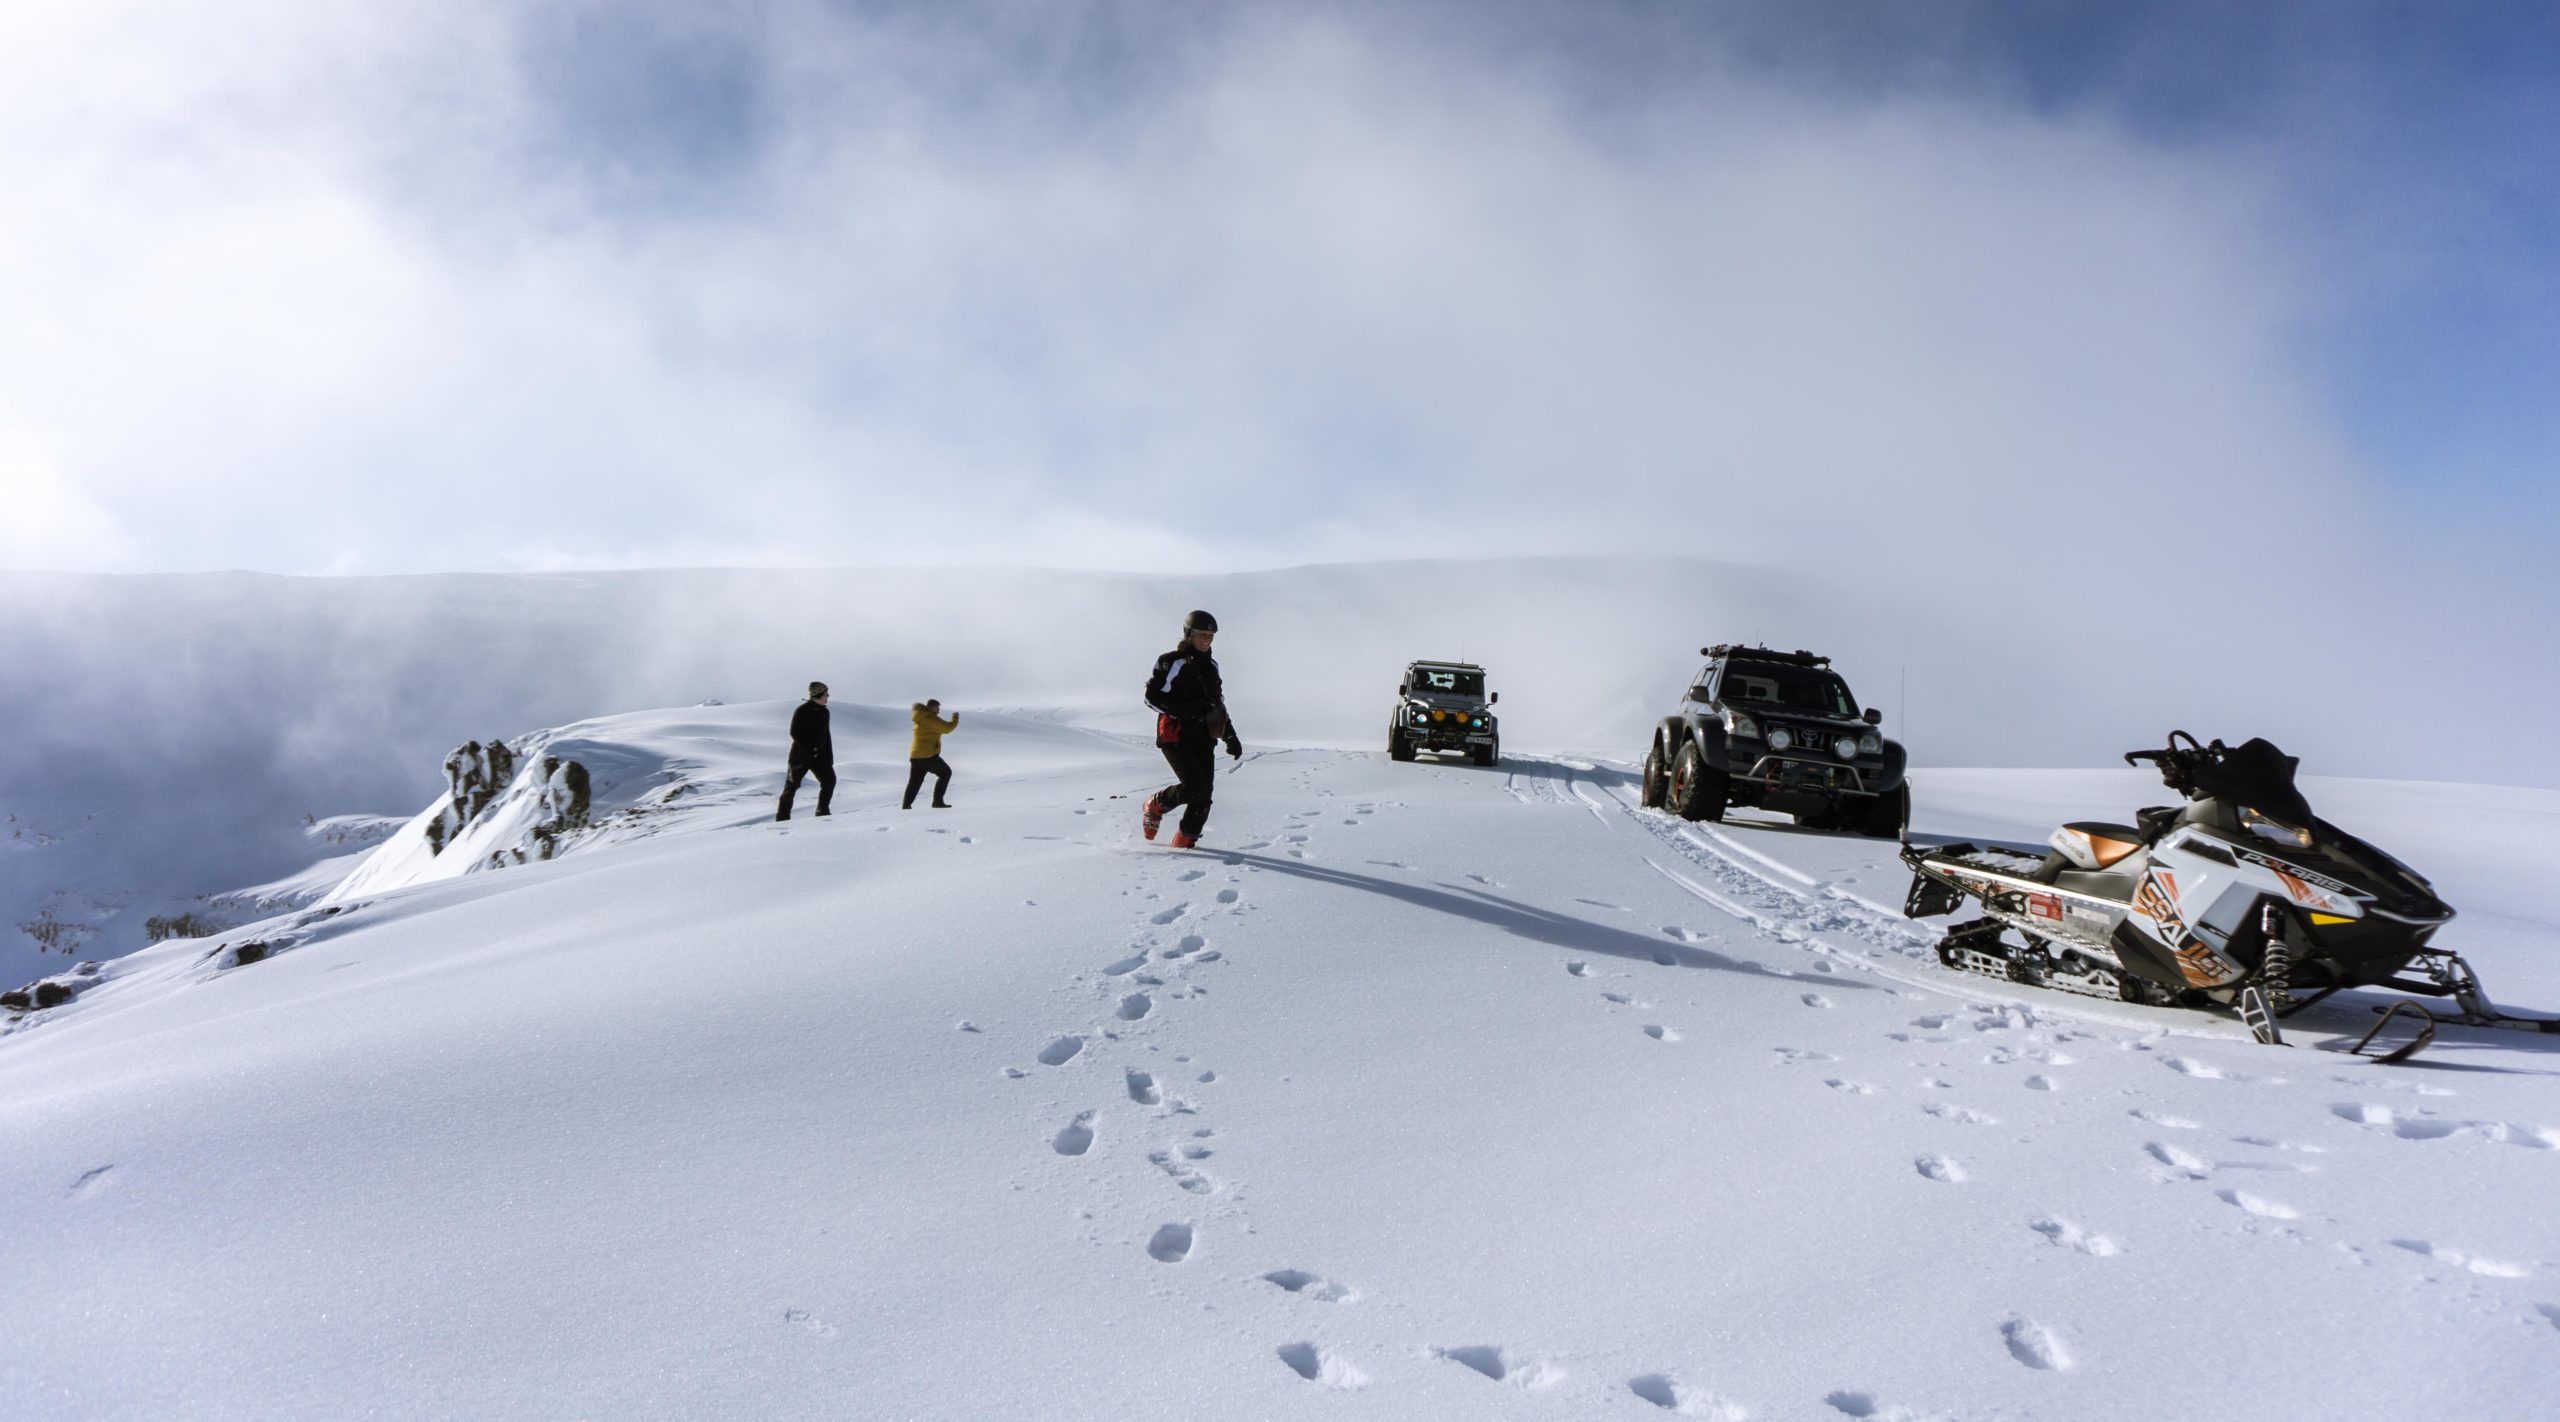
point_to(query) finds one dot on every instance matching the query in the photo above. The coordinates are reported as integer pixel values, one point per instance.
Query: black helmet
(1199, 621)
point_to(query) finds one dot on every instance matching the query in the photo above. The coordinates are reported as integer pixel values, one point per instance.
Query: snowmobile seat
(2093, 844)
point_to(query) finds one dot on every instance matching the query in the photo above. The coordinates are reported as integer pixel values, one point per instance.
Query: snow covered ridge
(618, 778)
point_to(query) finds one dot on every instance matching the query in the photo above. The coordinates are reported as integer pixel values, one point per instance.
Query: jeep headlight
(1870, 744)
(2269, 827)
(1741, 725)
(1846, 747)
(1780, 738)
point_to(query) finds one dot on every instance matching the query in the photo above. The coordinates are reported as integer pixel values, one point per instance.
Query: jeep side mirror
(1497, 696)
(1874, 717)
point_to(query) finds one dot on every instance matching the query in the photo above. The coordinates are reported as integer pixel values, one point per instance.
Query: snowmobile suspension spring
(2277, 970)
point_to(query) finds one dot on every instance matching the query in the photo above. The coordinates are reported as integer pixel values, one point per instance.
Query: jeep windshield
(1759, 686)
(1447, 681)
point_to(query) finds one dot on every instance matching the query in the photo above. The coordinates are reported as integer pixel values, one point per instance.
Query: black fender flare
(1707, 736)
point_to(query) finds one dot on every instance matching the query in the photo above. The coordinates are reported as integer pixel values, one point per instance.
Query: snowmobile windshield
(1447, 681)
(2257, 775)
(1753, 686)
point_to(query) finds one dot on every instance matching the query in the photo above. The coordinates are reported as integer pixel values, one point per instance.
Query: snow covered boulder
(554, 793)
(49, 992)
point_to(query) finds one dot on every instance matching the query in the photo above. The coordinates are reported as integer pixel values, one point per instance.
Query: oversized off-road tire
(1399, 746)
(1487, 755)
(1884, 816)
(1697, 788)
(1657, 783)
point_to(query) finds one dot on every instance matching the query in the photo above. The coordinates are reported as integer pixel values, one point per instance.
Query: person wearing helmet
(1191, 719)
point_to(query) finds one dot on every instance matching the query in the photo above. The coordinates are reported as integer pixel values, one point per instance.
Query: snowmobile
(2239, 899)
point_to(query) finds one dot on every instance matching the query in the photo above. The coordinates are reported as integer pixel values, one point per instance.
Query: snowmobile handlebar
(2173, 759)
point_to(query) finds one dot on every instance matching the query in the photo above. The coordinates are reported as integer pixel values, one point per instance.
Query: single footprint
(1187, 877)
(1660, 1033)
(1076, 1137)
(2260, 1206)
(1125, 965)
(2189, 1066)
(1815, 999)
(1191, 943)
(1854, 1088)
(1675, 1396)
(2042, 1083)
(1939, 1168)
(2175, 1123)
(1061, 1051)
(1142, 1088)
(2034, 1345)
(1164, 916)
(1312, 1286)
(1579, 970)
(1961, 1115)
(1192, 1181)
(1789, 1056)
(1171, 1244)
(802, 1318)
(2063, 1234)
(1619, 998)
(1226, 896)
(2489, 1267)
(1135, 1006)
(1322, 1366)
(2192, 1167)
(1488, 1359)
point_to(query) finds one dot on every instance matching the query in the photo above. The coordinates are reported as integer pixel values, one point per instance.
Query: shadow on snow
(1535, 924)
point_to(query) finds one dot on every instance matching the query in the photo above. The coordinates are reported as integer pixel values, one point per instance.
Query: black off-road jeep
(1776, 731)
(1443, 706)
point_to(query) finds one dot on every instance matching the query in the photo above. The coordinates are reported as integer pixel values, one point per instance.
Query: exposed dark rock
(180, 925)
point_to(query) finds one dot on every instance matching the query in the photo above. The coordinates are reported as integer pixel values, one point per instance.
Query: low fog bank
(167, 734)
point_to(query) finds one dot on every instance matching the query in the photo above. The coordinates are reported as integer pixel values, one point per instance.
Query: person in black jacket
(813, 751)
(1191, 718)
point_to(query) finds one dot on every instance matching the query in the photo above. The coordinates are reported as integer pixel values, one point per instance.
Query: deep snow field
(1421, 1091)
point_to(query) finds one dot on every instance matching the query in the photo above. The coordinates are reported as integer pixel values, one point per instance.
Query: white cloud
(312, 296)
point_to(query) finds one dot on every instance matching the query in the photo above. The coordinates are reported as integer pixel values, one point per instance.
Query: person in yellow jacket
(925, 753)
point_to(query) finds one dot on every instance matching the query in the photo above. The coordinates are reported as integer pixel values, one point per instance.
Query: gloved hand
(1235, 749)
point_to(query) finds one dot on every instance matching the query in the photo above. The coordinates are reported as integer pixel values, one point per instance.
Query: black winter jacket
(1185, 685)
(811, 742)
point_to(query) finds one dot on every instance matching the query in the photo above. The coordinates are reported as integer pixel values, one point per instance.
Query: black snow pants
(791, 786)
(917, 769)
(1194, 759)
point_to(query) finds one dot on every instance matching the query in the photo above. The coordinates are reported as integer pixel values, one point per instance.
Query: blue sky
(1162, 284)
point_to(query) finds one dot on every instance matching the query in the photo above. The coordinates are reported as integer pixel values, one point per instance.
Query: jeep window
(1445, 682)
(1753, 685)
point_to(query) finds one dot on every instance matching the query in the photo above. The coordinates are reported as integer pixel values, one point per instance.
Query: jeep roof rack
(1454, 666)
(1799, 657)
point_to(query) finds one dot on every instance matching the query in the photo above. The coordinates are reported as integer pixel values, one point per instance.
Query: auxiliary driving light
(1780, 738)
(1847, 746)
